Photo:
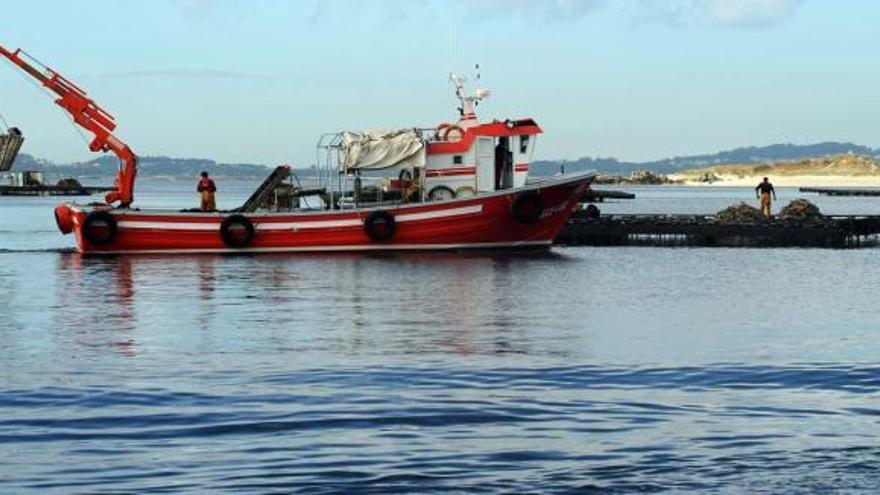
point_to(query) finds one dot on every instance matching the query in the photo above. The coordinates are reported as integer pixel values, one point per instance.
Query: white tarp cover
(376, 150)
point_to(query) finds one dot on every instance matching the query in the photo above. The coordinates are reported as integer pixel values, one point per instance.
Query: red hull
(483, 221)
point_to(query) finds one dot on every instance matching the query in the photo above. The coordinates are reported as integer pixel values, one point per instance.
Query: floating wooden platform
(600, 195)
(52, 190)
(836, 191)
(838, 231)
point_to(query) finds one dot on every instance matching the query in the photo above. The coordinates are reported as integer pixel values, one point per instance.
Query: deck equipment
(10, 144)
(88, 115)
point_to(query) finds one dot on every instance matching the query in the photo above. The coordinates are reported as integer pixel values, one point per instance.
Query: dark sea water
(583, 370)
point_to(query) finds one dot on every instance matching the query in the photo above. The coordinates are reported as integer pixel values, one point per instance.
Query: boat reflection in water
(459, 301)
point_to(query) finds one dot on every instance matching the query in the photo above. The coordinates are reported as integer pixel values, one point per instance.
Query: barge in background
(826, 231)
(33, 184)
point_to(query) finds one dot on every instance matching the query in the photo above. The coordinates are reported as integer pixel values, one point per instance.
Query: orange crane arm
(88, 115)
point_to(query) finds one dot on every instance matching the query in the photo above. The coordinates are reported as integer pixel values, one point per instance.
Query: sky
(258, 81)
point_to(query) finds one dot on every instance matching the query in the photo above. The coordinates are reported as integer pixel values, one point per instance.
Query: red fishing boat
(454, 186)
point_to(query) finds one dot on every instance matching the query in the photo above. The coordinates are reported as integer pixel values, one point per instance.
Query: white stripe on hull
(313, 249)
(428, 215)
(305, 225)
(133, 224)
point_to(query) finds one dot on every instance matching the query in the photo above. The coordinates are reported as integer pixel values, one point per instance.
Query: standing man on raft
(206, 190)
(763, 191)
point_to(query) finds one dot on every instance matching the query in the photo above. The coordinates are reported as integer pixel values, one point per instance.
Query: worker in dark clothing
(503, 164)
(763, 192)
(206, 190)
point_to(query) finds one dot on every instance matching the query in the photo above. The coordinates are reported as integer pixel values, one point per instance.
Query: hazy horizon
(93, 157)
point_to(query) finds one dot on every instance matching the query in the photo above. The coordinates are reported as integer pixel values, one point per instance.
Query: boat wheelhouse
(431, 164)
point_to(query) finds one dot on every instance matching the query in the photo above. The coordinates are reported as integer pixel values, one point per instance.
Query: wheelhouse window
(523, 143)
(457, 160)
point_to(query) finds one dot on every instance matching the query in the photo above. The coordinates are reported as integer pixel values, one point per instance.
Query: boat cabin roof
(496, 128)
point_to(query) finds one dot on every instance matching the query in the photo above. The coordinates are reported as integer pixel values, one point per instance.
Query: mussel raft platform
(830, 231)
(47, 190)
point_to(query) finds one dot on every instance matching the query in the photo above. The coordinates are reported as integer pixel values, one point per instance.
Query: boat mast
(468, 103)
(88, 115)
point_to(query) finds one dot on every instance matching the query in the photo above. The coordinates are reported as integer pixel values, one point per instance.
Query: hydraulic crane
(88, 115)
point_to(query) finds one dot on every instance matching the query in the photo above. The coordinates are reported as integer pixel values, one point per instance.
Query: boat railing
(344, 187)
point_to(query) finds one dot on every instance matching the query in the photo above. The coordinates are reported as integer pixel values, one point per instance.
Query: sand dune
(837, 171)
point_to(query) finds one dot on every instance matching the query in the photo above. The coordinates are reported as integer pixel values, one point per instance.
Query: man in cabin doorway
(763, 192)
(503, 164)
(206, 190)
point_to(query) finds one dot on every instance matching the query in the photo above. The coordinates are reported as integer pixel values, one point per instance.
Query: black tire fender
(527, 207)
(237, 239)
(380, 225)
(99, 227)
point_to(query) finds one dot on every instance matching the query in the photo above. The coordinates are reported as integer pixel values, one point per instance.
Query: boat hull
(479, 222)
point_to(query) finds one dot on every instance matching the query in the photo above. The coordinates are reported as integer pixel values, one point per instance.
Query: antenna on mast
(468, 103)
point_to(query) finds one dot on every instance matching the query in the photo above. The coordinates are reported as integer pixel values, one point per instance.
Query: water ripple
(710, 377)
(505, 429)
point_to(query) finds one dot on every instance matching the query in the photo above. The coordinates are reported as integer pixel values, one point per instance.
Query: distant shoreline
(723, 180)
(686, 180)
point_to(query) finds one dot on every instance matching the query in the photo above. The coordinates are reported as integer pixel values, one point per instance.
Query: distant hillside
(162, 166)
(105, 166)
(840, 165)
(751, 154)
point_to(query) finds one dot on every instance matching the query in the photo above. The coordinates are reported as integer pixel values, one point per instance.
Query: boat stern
(92, 226)
(65, 215)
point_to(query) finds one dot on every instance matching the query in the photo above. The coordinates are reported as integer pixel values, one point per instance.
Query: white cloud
(551, 10)
(197, 8)
(729, 13)
(182, 73)
(403, 11)
(750, 12)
